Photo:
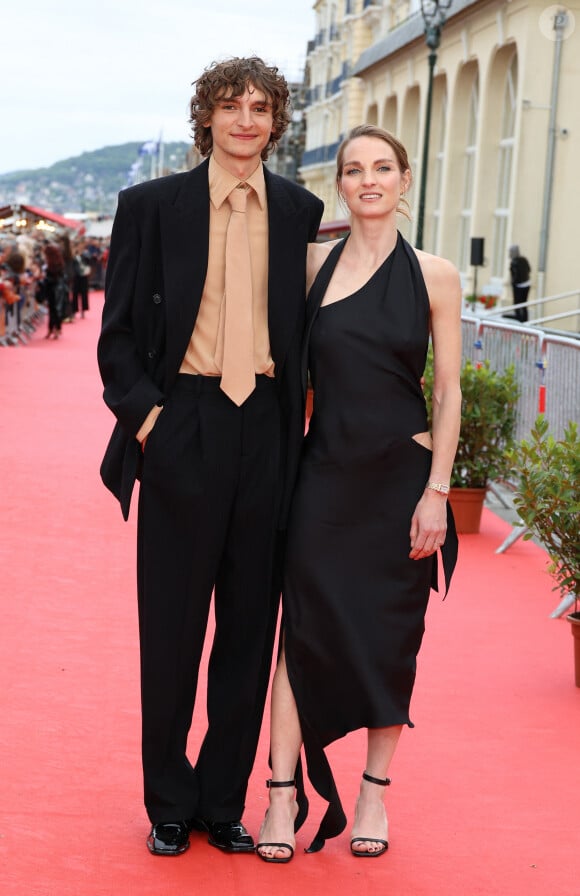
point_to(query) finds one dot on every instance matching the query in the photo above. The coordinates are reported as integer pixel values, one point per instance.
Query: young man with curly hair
(215, 472)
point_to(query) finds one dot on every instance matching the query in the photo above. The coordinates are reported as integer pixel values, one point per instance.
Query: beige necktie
(238, 369)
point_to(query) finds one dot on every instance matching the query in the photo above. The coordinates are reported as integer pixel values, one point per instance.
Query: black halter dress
(354, 603)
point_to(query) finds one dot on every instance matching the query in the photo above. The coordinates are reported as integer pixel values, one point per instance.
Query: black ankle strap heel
(383, 782)
(289, 849)
(381, 845)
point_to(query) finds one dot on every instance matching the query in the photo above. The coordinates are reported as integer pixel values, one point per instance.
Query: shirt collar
(221, 183)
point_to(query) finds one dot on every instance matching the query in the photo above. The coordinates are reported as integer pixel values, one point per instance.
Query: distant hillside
(89, 182)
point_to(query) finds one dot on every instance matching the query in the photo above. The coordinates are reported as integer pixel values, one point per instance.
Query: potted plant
(547, 471)
(488, 418)
(484, 302)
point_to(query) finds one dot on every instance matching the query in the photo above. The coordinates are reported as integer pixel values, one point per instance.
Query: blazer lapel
(285, 278)
(185, 244)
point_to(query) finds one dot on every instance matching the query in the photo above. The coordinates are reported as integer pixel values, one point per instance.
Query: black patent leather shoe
(169, 838)
(229, 836)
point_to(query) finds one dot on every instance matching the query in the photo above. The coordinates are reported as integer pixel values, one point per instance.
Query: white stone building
(504, 148)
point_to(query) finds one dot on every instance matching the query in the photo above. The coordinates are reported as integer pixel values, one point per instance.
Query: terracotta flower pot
(467, 504)
(574, 619)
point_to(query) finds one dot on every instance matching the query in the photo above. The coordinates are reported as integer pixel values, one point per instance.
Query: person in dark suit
(81, 273)
(520, 280)
(216, 472)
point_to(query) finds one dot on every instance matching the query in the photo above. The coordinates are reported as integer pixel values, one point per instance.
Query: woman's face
(372, 181)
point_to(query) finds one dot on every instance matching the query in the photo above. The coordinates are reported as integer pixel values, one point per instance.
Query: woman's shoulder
(438, 272)
(317, 255)
(321, 251)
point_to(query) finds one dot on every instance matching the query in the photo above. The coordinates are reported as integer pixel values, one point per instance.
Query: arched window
(438, 173)
(390, 115)
(372, 116)
(505, 161)
(468, 175)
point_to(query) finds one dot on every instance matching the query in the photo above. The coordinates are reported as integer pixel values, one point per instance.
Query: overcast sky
(78, 76)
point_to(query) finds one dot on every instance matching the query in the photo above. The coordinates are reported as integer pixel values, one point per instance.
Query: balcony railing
(313, 94)
(321, 154)
(334, 86)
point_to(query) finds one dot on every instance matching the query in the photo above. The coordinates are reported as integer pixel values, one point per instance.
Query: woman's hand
(428, 525)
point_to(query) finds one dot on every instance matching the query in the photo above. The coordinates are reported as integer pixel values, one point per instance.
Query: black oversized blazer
(155, 278)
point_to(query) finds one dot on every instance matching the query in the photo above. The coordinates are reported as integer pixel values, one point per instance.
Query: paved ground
(500, 499)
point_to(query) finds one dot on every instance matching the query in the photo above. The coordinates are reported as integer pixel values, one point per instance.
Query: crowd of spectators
(46, 278)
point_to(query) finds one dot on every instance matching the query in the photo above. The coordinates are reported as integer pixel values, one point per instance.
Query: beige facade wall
(490, 128)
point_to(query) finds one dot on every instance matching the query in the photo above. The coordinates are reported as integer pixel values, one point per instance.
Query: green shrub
(488, 419)
(547, 471)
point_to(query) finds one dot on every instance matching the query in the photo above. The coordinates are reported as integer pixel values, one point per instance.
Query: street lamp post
(433, 12)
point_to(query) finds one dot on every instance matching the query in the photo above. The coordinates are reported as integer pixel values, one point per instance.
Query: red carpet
(485, 789)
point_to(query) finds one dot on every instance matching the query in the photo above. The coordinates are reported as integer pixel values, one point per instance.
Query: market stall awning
(22, 216)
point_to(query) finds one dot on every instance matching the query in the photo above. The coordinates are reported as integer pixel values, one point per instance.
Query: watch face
(438, 487)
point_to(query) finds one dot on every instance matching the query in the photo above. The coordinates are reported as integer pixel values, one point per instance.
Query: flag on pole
(150, 148)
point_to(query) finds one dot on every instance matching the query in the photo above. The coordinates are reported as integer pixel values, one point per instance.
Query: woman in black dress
(54, 289)
(370, 508)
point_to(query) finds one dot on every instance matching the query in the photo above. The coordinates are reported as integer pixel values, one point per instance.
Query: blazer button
(157, 298)
(151, 354)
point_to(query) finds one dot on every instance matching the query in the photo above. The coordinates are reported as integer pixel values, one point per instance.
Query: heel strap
(270, 783)
(383, 782)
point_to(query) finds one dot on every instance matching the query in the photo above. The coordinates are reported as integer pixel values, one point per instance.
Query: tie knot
(238, 198)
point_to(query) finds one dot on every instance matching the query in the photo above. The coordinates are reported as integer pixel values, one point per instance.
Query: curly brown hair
(231, 78)
(54, 259)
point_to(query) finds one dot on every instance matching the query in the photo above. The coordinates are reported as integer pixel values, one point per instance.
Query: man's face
(241, 127)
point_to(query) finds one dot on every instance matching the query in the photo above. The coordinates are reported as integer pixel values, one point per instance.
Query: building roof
(405, 33)
(40, 214)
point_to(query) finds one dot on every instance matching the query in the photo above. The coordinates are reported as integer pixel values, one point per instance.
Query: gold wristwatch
(439, 487)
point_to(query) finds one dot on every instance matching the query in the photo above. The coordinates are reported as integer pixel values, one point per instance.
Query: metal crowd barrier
(547, 368)
(562, 368)
(18, 321)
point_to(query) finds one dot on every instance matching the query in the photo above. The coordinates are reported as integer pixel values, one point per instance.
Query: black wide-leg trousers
(208, 507)
(520, 294)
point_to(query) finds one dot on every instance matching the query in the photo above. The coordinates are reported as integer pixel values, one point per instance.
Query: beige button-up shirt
(205, 349)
